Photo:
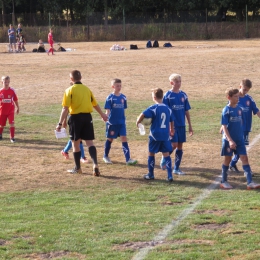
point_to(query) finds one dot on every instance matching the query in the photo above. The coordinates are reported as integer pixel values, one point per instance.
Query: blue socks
(234, 160)
(178, 157)
(126, 151)
(168, 162)
(224, 173)
(107, 147)
(151, 163)
(67, 147)
(247, 170)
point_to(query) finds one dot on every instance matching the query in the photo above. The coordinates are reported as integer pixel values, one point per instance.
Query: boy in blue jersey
(249, 108)
(161, 129)
(233, 139)
(178, 102)
(115, 106)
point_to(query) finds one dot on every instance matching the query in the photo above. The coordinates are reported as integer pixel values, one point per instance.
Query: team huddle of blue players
(168, 128)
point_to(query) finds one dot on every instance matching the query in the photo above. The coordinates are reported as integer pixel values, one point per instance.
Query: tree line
(79, 9)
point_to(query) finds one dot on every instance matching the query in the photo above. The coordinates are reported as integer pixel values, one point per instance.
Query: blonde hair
(174, 76)
(231, 91)
(246, 83)
(5, 77)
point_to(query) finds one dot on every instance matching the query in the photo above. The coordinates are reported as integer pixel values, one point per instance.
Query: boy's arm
(221, 130)
(232, 144)
(17, 106)
(103, 115)
(258, 114)
(172, 128)
(108, 112)
(187, 114)
(139, 119)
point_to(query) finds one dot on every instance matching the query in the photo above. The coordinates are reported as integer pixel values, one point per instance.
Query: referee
(78, 100)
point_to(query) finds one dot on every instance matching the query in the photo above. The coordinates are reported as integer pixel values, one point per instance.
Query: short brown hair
(231, 91)
(158, 93)
(113, 81)
(76, 75)
(246, 83)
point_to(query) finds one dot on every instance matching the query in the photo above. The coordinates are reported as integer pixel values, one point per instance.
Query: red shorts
(3, 119)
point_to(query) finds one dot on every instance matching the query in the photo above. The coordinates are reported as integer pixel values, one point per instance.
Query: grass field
(46, 213)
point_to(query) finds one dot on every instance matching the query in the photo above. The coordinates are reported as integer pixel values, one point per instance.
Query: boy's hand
(17, 110)
(232, 145)
(190, 131)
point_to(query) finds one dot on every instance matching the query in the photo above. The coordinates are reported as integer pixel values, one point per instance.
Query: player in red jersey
(51, 42)
(8, 101)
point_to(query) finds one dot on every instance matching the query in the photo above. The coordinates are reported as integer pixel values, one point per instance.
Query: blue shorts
(179, 135)
(246, 137)
(114, 131)
(226, 151)
(159, 146)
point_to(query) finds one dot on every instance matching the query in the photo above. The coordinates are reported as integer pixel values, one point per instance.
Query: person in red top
(51, 42)
(8, 101)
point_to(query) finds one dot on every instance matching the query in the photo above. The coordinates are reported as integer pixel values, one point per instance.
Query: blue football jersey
(161, 117)
(232, 117)
(249, 107)
(179, 104)
(117, 106)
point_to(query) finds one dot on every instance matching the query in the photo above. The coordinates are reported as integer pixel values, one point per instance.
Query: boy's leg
(82, 150)
(151, 163)
(108, 144)
(168, 161)
(224, 184)
(68, 146)
(1, 132)
(233, 163)
(178, 158)
(126, 151)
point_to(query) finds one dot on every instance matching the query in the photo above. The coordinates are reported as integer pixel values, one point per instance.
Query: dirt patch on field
(54, 255)
(139, 245)
(210, 226)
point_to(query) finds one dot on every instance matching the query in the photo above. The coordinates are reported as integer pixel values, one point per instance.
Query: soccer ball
(146, 121)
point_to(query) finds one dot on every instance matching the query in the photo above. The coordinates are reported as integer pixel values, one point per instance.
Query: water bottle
(141, 129)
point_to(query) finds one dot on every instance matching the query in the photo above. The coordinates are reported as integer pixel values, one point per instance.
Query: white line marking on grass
(167, 229)
(255, 140)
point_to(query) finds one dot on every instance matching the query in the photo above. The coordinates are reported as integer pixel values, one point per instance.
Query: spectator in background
(19, 30)
(12, 39)
(41, 47)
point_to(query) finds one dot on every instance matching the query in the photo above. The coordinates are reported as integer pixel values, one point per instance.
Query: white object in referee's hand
(61, 134)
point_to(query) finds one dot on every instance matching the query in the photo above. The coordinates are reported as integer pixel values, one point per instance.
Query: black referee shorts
(81, 127)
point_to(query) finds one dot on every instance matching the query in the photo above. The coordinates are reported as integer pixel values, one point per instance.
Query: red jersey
(7, 98)
(50, 39)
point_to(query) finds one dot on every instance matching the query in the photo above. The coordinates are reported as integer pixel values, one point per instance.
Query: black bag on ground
(155, 44)
(167, 44)
(61, 49)
(34, 50)
(133, 47)
(41, 49)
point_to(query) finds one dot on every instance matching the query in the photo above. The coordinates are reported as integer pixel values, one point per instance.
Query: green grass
(92, 223)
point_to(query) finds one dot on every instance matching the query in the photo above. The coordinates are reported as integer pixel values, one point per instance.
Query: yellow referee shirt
(79, 99)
